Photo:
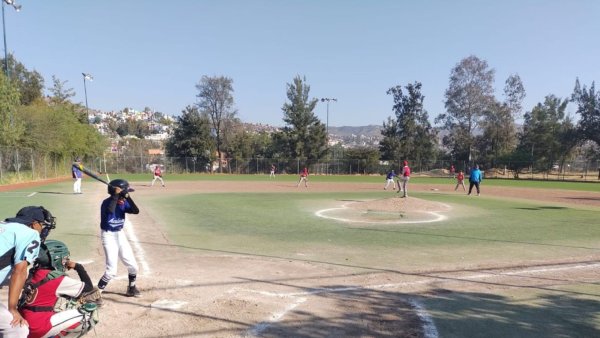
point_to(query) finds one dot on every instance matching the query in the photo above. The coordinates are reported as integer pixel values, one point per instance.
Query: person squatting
(36, 312)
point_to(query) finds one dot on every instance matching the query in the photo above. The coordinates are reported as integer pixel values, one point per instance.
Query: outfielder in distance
(114, 241)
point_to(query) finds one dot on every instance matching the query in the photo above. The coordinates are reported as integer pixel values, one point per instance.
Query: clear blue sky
(153, 53)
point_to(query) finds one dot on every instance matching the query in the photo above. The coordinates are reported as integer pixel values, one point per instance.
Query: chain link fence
(21, 165)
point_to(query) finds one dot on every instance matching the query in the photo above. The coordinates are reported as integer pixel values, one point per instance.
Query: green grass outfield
(479, 232)
(537, 184)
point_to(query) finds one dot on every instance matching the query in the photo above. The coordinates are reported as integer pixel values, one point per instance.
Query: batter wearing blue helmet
(114, 241)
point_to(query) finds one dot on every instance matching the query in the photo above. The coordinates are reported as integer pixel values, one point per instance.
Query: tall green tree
(365, 158)
(191, 138)
(11, 127)
(215, 99)
(303, 136)
(548, 133)
(67, 138)
(499, 136)
(468, 97)
(588, 107)
(409, 135)
(60, 93)
(29, 83)
(514, 94)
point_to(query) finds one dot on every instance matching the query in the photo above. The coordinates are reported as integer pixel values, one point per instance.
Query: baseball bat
(89, 173)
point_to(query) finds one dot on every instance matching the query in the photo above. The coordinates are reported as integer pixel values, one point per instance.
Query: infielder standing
(77, 175)
(390, 179)
(157, 176)
(303, 178)
(460, 181)
(114, 241)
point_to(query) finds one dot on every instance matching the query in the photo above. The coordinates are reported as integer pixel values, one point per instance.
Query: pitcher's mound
(388, 211)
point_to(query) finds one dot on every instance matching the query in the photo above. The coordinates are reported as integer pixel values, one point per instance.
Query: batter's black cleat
(132, 291)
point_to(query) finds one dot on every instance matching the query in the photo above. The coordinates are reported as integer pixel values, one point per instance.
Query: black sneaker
(132, 291)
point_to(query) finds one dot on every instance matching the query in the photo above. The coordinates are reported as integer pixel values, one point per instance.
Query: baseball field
(253, 256)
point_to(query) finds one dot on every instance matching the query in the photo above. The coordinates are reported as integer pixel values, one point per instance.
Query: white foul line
(137, 248)
(429, 328)
(259, 328)
(428, 325)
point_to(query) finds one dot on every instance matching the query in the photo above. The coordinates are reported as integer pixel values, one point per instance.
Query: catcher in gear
(114, 241)
(47, 282)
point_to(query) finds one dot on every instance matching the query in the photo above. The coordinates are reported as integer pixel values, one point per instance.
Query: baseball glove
(92, 296)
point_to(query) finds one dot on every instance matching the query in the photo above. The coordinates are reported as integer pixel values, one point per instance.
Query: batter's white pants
(77, 186)
(6, 330)
(116, 246)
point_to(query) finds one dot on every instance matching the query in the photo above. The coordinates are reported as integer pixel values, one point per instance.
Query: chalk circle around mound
(388, 211)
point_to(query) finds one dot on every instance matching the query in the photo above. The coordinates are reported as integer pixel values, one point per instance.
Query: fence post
(32, 165)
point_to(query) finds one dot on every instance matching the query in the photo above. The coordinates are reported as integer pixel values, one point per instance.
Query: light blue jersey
(18, 243)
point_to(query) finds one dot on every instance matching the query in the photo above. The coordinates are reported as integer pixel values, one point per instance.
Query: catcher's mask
(28, 215)
(53, 255)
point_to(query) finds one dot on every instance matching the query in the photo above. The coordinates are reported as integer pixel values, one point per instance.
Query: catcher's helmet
(53, 255)
(121, 183)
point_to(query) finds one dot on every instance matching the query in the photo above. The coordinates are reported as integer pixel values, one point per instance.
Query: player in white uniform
(77, 176)
(19, 247)
(114, 241)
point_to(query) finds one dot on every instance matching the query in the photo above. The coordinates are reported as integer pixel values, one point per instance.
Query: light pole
(328, 99)
(17, 8)
(87, 109)
(323, 100)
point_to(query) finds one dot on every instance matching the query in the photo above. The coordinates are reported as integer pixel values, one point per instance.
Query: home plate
(168, 304)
